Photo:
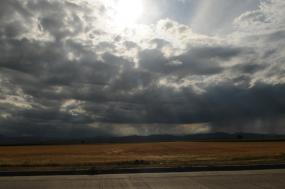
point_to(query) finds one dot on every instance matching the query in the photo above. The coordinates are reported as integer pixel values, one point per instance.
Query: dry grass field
(142, 154)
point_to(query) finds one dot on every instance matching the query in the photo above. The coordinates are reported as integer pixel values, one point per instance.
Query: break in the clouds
(91, 68)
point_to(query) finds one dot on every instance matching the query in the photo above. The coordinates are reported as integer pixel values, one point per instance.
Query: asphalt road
(271, 179)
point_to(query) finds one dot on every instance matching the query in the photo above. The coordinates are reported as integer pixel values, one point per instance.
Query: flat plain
(170, 154)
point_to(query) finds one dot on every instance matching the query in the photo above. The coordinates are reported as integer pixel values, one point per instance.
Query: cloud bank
(67, 70)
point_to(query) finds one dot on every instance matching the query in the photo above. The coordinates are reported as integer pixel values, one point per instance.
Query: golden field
(142, 154)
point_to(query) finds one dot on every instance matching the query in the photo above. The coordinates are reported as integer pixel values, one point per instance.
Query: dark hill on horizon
(4, 140)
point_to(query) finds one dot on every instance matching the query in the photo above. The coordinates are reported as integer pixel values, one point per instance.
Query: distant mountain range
(135, 139)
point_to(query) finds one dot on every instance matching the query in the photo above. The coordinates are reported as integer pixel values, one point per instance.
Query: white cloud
(269, 17)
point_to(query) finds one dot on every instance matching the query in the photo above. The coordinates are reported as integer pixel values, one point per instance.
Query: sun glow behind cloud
(126, 13)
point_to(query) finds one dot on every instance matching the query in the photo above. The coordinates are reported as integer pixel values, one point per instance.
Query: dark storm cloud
(219, 103)
(196, 61)
(261, 125)
(62, 74)
(248, 68)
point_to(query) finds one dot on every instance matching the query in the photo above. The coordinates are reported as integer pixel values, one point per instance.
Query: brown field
(143, 154)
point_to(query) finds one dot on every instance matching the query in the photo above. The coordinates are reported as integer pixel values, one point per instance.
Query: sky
(89, 68)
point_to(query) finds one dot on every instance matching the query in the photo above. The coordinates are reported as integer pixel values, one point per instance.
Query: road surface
(271, 179)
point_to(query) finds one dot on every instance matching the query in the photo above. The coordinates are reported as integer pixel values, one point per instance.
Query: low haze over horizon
(89, 68)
